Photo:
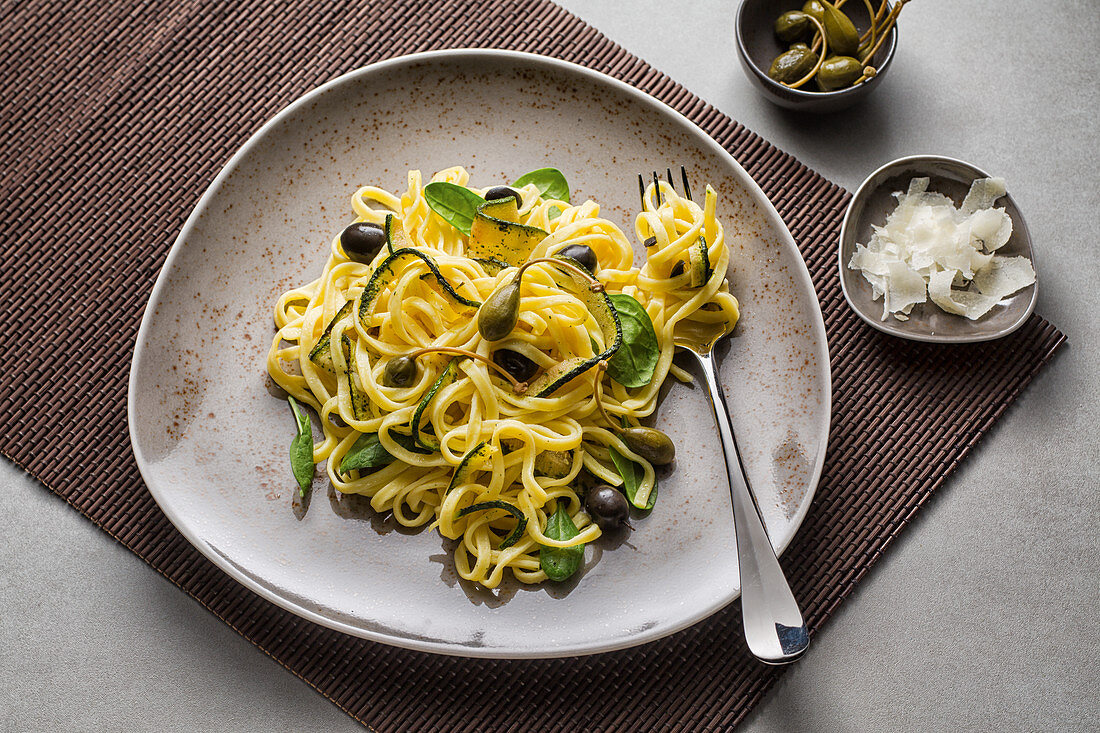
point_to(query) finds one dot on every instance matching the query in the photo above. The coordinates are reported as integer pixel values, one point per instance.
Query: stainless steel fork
(774, 628)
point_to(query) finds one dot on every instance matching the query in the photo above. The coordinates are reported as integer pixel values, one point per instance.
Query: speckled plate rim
(801, 277)
(888, 326)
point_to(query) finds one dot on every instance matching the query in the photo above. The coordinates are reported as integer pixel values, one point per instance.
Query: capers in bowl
(794, 25)
(792, 65)
(821, 44)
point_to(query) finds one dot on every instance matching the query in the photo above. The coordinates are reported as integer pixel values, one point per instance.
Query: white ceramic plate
(211, 442)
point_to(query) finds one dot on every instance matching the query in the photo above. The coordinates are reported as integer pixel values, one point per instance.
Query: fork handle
(774, 629)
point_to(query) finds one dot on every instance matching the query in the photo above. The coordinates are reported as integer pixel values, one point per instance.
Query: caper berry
(519, 366)
(814, 8)
(607, 507)
(362, 241)
(840, 32)
(792, 25)
(499, 314)
(791, 65)
(838, 72)
(400, 371)
(677, 269)
(650, 242)
(496, 193)
(580, 253)
(650, 443)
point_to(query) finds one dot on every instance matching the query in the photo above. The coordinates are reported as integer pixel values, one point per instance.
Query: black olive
(502, 192)
(677, 269)
(580, 253)
(651, 242)
(362, 241)
(607, 507)
(519, 366)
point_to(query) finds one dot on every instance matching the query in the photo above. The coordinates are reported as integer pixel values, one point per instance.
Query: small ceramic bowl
(757, 47)
(871, 204)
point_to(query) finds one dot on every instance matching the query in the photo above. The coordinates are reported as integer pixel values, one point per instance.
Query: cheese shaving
(930, 250)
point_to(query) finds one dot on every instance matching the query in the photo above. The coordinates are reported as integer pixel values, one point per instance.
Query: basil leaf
(632, 475)
(636, 360)
(515, 534)
(560, 562)
(301, 450)
(368, 452)
(550, 182)
(457, 204)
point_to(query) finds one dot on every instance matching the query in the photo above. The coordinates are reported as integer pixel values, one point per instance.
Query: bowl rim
(890, 46)
(1019, 224)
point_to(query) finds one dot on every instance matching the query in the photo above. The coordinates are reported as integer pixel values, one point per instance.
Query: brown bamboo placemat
(113, 119)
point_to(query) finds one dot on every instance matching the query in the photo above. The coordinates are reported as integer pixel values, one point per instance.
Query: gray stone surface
(980, 617)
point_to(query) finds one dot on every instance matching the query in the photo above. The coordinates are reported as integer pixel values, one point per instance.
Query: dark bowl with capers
(780, 42)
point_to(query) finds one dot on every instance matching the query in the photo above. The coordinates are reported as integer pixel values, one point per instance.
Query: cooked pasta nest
(508, 438)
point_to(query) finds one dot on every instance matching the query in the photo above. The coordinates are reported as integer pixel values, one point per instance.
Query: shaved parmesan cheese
(959, 302)
(982, 194)
(928, 249)
(904, 288)
(990, 228)
(1004, 276)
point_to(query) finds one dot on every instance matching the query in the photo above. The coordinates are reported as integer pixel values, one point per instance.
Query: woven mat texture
(114, 117)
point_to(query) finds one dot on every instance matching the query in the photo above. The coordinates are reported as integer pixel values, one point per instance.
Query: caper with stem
(840, 32)
(793, 64)
(838, 72)
(499, 314)
(400, 371)
(814, 9)
(792, 26)
(650, 443)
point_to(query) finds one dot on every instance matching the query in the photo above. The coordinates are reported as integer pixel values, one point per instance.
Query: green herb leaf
(457, 204)
(301, 450)
(560, 562)
(632, 475)
(515, 534)
(368, 452)
(635, 361)
(550, 182)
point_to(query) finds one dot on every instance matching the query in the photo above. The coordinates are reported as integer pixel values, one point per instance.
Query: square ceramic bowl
(875, 200)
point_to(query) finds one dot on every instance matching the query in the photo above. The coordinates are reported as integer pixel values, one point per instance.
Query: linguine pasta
(459, 432)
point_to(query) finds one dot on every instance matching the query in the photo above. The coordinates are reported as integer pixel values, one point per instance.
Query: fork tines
(671, 183)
